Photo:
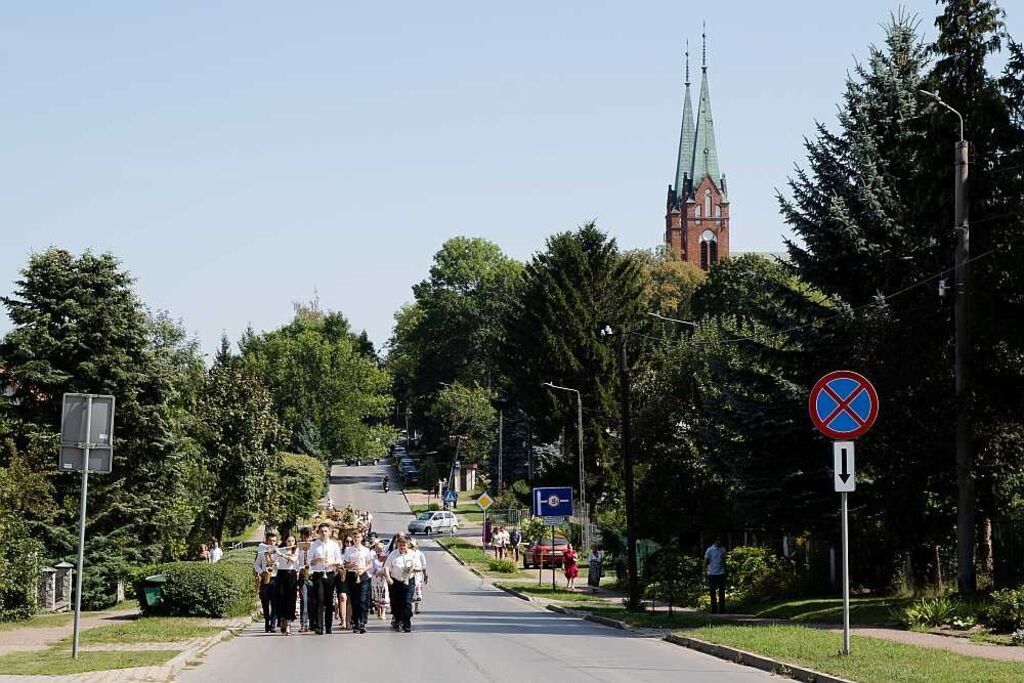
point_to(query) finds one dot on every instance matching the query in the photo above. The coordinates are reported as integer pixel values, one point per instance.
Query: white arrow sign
(843, 467)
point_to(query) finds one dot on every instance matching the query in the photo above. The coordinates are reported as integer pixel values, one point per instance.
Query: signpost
(553, 504)
(450, 497)
(86, 443)
(484, 501)
(843, 406)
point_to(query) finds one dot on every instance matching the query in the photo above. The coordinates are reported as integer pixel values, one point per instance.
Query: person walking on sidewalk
(421, 576)
(714, 566)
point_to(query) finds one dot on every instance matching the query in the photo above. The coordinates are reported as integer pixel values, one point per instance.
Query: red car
(542, 554)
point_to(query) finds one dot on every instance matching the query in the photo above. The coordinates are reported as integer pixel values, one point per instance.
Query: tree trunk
(986, 561)
(222, 516)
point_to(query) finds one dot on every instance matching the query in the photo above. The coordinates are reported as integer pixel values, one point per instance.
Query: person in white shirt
(421, 576)
(358, 561)
(400, 571)
(288, 564)
(380, 583)
(714, 566)
(215, 551)
(265, 567)
(324, 560)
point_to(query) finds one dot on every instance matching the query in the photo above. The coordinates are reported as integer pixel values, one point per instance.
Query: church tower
(697, 213)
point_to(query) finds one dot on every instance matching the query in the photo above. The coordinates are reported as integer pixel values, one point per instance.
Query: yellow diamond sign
(484, 501)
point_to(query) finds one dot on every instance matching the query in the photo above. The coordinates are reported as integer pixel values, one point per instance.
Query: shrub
(433, 507)
(757, 574)
(201, 589)
(1006, 613)
(19, 570)
(674, 577)
(503, 566)
(928, 612)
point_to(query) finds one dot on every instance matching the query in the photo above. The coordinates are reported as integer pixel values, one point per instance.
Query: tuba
(270, 563)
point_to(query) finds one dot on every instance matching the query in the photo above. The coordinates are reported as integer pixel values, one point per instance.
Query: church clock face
(707, 236)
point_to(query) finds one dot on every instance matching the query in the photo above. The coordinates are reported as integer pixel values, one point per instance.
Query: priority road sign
(843, 468)
(484, 501)
(552, 501)
(843, 405)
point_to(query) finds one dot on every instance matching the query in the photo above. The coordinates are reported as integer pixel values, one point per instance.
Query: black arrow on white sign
(844, 473)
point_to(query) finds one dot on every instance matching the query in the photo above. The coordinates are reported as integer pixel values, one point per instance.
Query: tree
(466, 413)
(331, 397)
(579, 284)
(78, 326)
(240, 436)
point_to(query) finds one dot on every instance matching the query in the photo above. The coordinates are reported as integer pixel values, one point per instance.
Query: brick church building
(697, 214)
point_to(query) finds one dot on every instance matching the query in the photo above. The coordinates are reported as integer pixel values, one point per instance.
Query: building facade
(697, 211)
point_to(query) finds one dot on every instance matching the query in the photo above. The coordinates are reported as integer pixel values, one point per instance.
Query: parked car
(434, 522)
(543, 554)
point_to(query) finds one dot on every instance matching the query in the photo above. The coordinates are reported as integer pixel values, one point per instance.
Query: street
(469, 631)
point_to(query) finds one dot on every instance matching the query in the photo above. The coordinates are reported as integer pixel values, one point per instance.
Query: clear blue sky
(237, 155)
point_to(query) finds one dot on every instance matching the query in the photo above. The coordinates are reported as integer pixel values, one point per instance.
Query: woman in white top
(421, 576)
(380, 583)
(288, 565)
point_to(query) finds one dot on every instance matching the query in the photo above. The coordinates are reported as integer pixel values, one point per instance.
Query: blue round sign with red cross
(843, 405)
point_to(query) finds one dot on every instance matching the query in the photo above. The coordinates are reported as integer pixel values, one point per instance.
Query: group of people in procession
(319, 579)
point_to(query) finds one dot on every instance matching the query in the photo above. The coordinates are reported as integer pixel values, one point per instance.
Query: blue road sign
(843, 405)
(552, 501)
(451, 497)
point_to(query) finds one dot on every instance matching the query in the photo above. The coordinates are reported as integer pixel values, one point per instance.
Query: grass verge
(871, 660)
(58, 661)
(559, 594)
(872, 611)
(474, 556)
(56, 620)
(149, 630)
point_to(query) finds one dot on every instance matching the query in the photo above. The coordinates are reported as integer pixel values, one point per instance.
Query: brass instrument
(269, 564)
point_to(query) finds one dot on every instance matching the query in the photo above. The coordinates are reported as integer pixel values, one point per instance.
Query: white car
(434, 523)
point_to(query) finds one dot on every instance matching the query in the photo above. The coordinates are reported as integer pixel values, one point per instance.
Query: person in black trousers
(324, 561)
(265, 568)
(400, 572)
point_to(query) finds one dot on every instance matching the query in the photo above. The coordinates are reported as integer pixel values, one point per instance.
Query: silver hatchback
(434, 523)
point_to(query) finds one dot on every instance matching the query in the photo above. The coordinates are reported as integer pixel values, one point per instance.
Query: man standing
(400, 573)
(515, 538)
(357, 559)
(324, 560)
(215, 551)
(265, 569)
(714, 566)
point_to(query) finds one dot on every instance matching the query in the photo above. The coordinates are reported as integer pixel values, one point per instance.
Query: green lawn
(863, 611)
(55, 662)
(149, 630)
(472, 555)
(559, 594)
(872, 659)
(53, 620)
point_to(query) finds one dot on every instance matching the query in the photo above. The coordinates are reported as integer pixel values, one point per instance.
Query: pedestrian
(265, 567)
(288, 564)
(204, 553)
(344, 607)
(515, 538)
(421, 576)
(358, 559)
(215, 551)
(594, 568)
(305, 583)
(380, 583)
(324, 560)
(714, 566)
(570, 567)
(499, 543)
(488, 535)
(400, 570)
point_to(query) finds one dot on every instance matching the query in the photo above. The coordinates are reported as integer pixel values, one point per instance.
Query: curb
(514, 593)
(750, 659)
(179, 662)
(459, 560)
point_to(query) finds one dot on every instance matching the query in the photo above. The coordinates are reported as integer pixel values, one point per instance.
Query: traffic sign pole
(846, 576)
(81, 526)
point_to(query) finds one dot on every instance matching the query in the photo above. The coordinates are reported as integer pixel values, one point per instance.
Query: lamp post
(583, 476)
(966, 576)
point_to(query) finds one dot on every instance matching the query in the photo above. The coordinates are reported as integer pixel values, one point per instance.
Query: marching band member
(358, 559)
(305, 584)
(288, 565)
(265, 568)
(324, 560)
(400, 570)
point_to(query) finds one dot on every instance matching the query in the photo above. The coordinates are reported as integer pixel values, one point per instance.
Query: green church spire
(684, 165)
(705, 153)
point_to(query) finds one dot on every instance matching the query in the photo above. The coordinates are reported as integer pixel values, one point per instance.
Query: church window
(707, 203)
(697, 212)
(718, 210)
(708, 249)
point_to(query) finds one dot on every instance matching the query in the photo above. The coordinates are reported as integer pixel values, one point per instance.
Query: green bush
(503, 566)
(1006, 613)
(201, 589)
(433, 507)
(299, 483)
(928, 612)
(674, 577)
(19, 570)
(757, 574)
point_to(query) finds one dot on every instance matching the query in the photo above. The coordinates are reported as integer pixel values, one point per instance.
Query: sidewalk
(30, 638)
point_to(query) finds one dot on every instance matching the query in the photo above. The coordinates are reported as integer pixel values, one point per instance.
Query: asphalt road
(468, 631)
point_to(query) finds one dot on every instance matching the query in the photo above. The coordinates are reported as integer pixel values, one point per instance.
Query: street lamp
(966, 578)
(583, 478)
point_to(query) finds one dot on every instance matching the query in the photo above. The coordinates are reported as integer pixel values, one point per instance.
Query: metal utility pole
(81, 531)
(967, 580)
(501, 429)
(583, 469)
(627, 466)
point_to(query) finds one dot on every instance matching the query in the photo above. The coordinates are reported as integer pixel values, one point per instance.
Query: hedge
(203, 589)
